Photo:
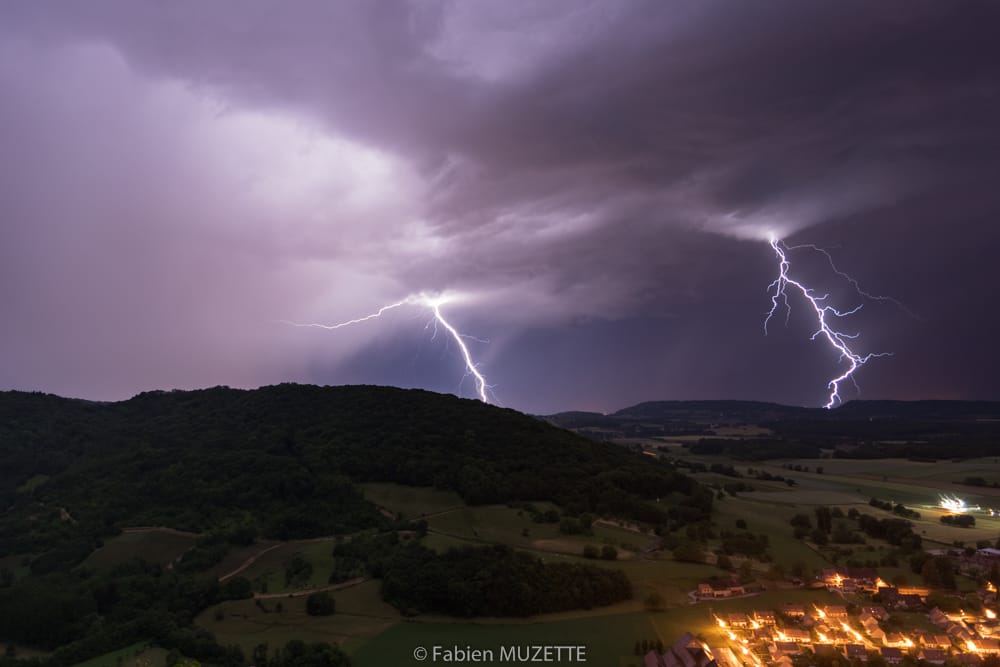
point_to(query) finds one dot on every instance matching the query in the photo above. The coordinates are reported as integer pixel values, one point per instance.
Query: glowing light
(990, 614)
(851, 631)
(839, 340)
(731, 634)
(953, 504)
(433, 303)
(971, 645)
(990, 587)
(721, 623)
(823, 638)
(820, 612)
(880, 584)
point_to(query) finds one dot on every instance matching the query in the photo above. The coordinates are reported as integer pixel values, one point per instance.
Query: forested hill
(283, 461)
(868, 429)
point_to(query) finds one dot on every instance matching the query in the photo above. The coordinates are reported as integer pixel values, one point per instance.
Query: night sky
(593, 184)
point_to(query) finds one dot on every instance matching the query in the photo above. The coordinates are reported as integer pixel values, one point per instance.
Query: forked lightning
(433, 303)
(839, 340)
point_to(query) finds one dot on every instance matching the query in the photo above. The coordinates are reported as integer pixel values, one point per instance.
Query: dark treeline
(480, 581)
(82, 614)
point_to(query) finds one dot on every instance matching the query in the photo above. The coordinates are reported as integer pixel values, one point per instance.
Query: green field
(269, 570)
(135, 655)
(154, 546)
(361, 615)
(608, 639)
(410, 501)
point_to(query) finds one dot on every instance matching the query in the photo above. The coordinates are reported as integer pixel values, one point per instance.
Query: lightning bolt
(839, 340)
(434, 305)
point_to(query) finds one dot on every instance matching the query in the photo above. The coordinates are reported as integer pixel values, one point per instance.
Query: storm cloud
(597, 180)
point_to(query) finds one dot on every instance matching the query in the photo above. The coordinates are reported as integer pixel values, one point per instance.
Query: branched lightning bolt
(838, 339)
(434, 304)
(339, 325)
(854, 283)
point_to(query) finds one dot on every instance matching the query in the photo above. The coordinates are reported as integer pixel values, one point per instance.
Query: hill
(222, 468)
(758, 430)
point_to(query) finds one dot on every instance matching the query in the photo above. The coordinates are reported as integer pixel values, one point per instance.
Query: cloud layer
(596, 178)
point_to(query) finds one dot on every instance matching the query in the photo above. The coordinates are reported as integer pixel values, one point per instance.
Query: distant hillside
(283, 461)
(858, 428)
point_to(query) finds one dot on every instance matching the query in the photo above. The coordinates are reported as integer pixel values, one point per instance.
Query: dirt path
(309, 591)
(160, 529)
(250, 561)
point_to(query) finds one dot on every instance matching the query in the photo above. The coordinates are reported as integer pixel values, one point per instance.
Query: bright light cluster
(839, 340)
(433, 303)
(952, 504)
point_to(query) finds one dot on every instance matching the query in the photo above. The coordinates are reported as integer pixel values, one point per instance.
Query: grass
(32, 483)
(269, 570)
(411, 501)
(773, 520)
(361, 615)
(134, 655)
(154, 546)
(608, 639)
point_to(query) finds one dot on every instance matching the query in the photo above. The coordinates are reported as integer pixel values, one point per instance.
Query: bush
(608, 552)
(320, 604)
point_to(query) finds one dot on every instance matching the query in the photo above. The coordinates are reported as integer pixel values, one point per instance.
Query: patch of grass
(134, 655)
(154, 546)
(411, 501)
(32, 483)
(360, 615)
(269, 569)
(608, 639)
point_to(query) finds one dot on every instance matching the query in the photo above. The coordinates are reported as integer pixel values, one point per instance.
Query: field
(361, 615)
(135, 655)
(154, 545)
(411, 502)
(850, 483)
(268, 571)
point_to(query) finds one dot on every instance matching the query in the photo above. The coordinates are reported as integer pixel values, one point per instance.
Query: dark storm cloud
(563, 163)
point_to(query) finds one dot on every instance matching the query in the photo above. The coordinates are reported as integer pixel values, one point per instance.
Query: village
(876, 624)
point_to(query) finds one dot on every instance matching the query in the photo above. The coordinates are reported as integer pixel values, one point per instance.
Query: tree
(608, 552)
(824, 519)
(741, 524)
(655, 601)
(590, 551)
(689, 552)
(724, 562)
(320, 604)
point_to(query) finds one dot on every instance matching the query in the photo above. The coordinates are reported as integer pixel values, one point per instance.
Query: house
(738, 620)
(938, 617)
(878, 611)
(797, 635)
(878, 634)
(793, 610)
(685, 652)
(896, 639)
(856, 652)
(779, 649)
(892, 598)
(938, 640)
(836, 612)
(869, 623)
(764, 617)
(720, 589)
(892, 655)
(986, 645)
(725, 657)
(969, 659)
(935, 656)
